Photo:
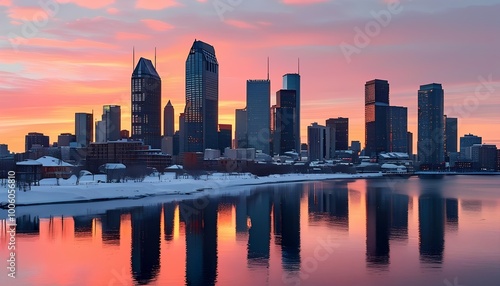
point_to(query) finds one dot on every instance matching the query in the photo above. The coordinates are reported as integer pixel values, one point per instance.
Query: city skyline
(98, 70)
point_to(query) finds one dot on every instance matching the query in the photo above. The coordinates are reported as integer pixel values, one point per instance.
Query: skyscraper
(376, 103)
(258, 114)
(225, 136)
(431, 125)
(451, 135)
(409, 137)
(341, 126)
(467, 141)
(202, 98)
(318, 142)
(146, 104)
(108, 129)
(291, 81)
(35, 139)
(168, 120)
(241, 128)
(284, 139)
(397, 129)
(84, 128)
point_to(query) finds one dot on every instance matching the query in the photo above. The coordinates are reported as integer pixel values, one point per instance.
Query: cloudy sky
(66, 56)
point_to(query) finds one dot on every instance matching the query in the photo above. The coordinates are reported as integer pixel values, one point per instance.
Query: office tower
(318, 142)
(225, 136)
(409, 137)
(202, 98)
(64, 139)
(291, 81)
(397, 129)
(330, 124)
(84, 128)
(258, 114)
(488, 158)
(35, 139)
(451, 135)
(430, 143)
(466, 142)
(146, 104)
(284, 139)
(341, 127)
(108, 129)
(182, 133)
(376, 102)
(168, 120)
(241, 128)
(4, 150)
(356, 146)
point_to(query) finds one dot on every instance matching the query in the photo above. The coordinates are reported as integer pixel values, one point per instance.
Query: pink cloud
(131, 36)
(26, 13)
(303, 2)
(155, 5)
(5, 2)
(157, 25)
(240, 24)
(112, 11)
(91, 4)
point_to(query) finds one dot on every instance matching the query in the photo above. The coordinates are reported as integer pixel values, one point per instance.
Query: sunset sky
(76, 55)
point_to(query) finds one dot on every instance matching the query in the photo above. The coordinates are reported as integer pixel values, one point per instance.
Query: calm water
(365, 232)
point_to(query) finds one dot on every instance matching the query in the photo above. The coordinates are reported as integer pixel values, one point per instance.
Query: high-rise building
(318, 142)
(291, 81)
(330, 124)
(451, 135)
(84, 128)
(146, 104)
(168, 120)
(202, 98)
(376, 103)
(409, 137)
(284, 139)
(467, 141)
(397, 129)
(241, 128)
(108, 129)
(431, 125)
(64, 139)
(225, 136)
(4, 150)
(182, 133)
(488, 158)
(341, 127)
(258, 114)
(35, 139)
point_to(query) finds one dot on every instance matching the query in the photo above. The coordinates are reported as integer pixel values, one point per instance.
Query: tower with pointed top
(291, 81)
(168, 120)
(202, 98)
(146, 104)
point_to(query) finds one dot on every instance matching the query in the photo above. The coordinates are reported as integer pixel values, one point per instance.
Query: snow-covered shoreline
(90, 191)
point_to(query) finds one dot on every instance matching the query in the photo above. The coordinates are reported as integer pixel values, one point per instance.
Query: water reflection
(259, 235)
(431, 217)
(330, 203)
(378, 207)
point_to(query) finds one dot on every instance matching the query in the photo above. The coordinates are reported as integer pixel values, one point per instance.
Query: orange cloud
(91, 4)
(156, 5)
(303, 2)
(131, 36)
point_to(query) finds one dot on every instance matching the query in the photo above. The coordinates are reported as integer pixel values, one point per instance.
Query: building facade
(284, 139)
(467, 141)
(341, 127)
(258, 114)
(225, 137)
(397, 129)
(109, 128)
(35, 139)
(202, 98)
(241, 128)
(376, 103)
(84, 128)
(291, 81)
(318, 142)
(168, 120)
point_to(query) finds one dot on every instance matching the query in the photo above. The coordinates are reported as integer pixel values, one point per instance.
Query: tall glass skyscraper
(284, 139)
(291, 81)
(398, 129)
(376, 103)
(146, 104)
(258, 114)
(202, 98)
(84, 128)
(430, 143)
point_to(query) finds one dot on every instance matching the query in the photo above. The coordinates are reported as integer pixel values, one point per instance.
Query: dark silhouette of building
(378, 221)
(291, 81)
(168, 218)
(259, 235)
(488, 158)
(241, 128)
(410, 143)
(64, 139)
(341, 127)
(110, 224)
(36, 139)
(398, 129)
(399, 217)
(376, 103)
(125, 134)
(451, 135)
(84, 128)
(330, 204)
(431, 217)
(146, 104)
(145, 257)
(27, 224)
(431, 125)
(202, 98)
(225, 135)
(168, 119)
(258, 114)
(318, 142)
(284, 139)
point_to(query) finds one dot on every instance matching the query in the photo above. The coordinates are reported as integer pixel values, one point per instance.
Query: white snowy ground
(90, 191)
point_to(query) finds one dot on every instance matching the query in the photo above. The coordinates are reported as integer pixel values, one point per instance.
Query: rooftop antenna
(155, 57)
(267, 68)
(133, 58)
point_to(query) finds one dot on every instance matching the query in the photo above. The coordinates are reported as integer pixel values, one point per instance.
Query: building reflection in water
(378, 219)
(168, 218)
(110, 223)
(330, 203)
(145, 257)
(399, 217)
(431, 217)
(83, 225)
(259, 235)
(452, 214)
(287, 225)
(241, 217)
(473, 206)
(200, 218)
(26, 224)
